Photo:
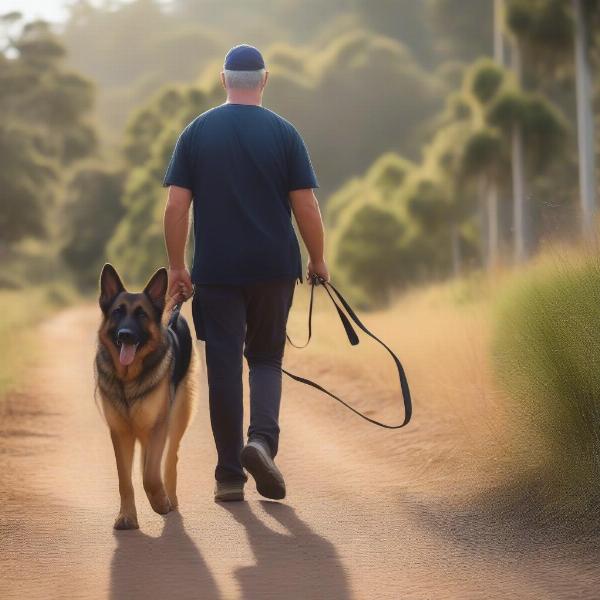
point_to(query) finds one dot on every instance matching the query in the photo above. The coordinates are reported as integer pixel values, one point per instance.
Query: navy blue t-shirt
(240, 162)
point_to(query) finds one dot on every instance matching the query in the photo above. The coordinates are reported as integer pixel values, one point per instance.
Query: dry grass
(441, 334)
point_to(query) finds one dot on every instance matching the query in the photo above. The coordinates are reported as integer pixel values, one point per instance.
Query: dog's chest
(127, 396)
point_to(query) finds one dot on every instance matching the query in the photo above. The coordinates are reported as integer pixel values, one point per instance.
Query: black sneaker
(256, 459)
(229, 491)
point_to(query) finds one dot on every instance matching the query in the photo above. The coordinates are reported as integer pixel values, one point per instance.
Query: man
(246, 170)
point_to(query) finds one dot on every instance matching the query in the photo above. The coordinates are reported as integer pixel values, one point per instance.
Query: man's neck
(249, 97)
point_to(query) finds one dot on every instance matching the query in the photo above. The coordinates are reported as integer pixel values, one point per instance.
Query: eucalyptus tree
(543, 129)
(547, 30)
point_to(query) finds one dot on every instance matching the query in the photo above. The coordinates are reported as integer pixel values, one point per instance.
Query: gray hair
(248, 80)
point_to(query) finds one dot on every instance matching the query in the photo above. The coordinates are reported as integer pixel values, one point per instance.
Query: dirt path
(358, 521)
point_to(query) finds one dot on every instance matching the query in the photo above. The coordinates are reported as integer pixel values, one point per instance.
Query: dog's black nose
(126, 336)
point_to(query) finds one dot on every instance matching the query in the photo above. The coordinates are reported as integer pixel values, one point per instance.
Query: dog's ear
(110, 286)
(156, 289)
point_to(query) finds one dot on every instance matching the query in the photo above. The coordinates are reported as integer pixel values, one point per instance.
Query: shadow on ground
(169, 566)
(298, 564)
(515, 518)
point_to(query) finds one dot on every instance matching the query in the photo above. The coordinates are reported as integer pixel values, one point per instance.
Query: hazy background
(411, 111)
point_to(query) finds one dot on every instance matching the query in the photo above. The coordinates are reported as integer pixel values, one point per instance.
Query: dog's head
(131, 327)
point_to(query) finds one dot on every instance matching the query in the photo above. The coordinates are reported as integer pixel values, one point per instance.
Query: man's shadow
(169, 566)
(297, 564)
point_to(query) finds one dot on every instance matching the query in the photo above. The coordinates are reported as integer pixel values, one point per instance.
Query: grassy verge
(546, 352)
(22, 310)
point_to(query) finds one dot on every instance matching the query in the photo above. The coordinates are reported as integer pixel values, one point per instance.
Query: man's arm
(176, 223)
(308, 216)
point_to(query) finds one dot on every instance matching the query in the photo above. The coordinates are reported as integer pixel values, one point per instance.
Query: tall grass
(546, 353)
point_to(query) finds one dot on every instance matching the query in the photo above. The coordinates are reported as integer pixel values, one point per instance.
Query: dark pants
(248, 320)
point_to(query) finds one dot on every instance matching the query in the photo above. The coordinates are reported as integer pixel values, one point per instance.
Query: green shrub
(546, 350)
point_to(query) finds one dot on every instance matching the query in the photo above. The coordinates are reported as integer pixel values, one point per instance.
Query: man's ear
(110, 287)
(156, 289)
(223, 80)
(264, 85)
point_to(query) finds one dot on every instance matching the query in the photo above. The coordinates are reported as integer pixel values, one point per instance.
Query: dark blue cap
(244, 58)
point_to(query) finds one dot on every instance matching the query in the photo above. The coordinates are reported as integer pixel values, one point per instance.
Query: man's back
(241, 161)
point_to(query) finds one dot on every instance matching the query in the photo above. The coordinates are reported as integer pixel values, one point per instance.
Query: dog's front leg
(123, 444)
(153, 484)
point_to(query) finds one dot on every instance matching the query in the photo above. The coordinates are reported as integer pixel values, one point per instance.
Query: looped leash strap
(352, 337)
(354, 340)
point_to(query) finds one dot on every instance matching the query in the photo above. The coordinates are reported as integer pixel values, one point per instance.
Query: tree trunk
(519, 200)
(456, 256)
(585, 123)
(498, 32)
(492, 226)
(521, 244)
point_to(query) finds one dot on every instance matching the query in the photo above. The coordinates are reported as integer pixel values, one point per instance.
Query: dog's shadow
(169, 566)
(296, 564)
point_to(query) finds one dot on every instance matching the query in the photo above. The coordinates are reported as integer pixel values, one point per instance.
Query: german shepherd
(145, 373)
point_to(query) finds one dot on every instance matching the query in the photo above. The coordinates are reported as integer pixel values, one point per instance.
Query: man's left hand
(180, 285)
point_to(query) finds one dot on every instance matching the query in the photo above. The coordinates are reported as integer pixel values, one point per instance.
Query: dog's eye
(118, 312)
(140, 313)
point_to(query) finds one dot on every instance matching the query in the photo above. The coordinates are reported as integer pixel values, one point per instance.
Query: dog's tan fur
(137, 406)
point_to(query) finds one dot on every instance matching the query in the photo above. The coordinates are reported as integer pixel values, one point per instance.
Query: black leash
(353, 339)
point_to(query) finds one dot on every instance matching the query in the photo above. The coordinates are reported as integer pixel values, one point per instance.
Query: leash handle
(354, 340)
(176, 309)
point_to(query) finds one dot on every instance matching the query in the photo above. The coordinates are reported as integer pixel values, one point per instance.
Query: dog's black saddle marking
(181, 343)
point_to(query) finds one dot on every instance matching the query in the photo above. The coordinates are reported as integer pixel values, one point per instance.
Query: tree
(43, 127)
(26, 179)
(483, 154)
(483, 159)
(92, 211)
(545, 27)
(543, 130)
(370, 252)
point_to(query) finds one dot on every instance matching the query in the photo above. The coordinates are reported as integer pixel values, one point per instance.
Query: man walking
(246, 170)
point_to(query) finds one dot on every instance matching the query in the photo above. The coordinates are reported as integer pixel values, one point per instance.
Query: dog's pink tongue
(127, 354)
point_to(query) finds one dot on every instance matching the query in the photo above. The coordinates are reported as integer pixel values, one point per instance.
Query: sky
(51, 10)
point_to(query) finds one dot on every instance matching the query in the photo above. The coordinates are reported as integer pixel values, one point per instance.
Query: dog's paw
(160, 503)
(126, 522)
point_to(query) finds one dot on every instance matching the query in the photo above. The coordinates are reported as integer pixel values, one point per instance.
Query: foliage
(545, 23)
(486, 78)
(543, 125)
(26, 180)
(43, 127)
(371, 251)
(92, 211)
(546, 356)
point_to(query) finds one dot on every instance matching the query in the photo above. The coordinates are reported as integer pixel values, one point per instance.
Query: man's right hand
(318, 268)
(180, 285)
